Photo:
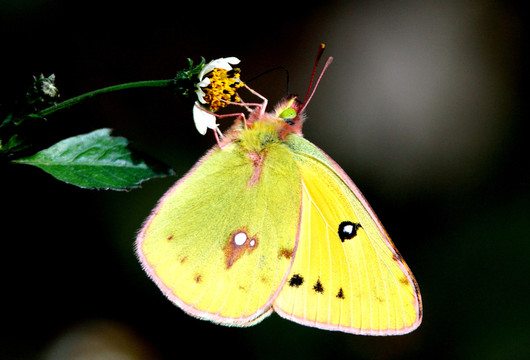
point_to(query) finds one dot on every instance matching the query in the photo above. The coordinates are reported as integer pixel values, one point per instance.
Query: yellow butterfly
(267, 221)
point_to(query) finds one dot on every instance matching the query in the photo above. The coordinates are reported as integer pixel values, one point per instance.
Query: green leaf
(15, 143)
(7, 121)
(96, 161)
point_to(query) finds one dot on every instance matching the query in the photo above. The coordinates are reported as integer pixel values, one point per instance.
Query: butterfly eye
(348, 230)
(288, 115)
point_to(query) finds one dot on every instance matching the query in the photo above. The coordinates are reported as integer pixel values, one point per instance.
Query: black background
(425, 107)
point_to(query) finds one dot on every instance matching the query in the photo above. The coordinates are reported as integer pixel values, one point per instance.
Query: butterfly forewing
(346, 273)
(220, 242)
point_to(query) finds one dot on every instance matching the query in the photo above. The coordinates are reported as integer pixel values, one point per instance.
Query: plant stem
(73, 101)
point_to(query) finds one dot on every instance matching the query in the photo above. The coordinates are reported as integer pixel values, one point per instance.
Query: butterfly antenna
(271, 70)
(310, 93)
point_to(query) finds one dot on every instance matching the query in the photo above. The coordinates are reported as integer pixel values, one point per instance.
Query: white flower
(203, 120)
(204, 81)
(47, 85)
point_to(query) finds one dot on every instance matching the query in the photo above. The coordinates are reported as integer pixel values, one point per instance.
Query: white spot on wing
(240, 238)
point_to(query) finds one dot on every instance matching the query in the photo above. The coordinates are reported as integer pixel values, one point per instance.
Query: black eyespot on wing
(318, 287)
(348, 230)
(296, 280)
(340, 294)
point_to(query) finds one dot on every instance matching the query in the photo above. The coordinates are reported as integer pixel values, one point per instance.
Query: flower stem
(73, 101)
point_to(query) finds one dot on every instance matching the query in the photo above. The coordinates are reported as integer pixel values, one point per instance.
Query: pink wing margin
(404, 267)
(148, 268)
(261, 314)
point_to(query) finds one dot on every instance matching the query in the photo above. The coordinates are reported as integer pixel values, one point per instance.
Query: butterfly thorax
(259, 135)
(266, 133)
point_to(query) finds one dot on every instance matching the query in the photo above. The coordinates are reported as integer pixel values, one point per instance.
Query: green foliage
(15, 143)
(42, 94)
(96, 161)
(185, 80)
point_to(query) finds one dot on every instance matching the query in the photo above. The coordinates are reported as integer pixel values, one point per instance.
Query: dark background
(425, 107)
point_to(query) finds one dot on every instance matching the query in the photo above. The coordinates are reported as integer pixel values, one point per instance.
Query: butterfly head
(265, 128)
(292, 111)
(290, 114)
(287, 117)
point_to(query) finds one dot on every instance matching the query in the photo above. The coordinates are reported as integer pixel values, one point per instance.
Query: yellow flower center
(223, 86)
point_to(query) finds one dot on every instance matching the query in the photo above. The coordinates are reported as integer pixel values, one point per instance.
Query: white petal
(203, 120)
(222, 63)
(199, 92)
(200, 96)
(211, 121)
(232, 60)
(206, 69)
(204, 82)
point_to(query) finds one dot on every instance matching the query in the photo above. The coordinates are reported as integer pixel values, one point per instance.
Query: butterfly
(266, 221)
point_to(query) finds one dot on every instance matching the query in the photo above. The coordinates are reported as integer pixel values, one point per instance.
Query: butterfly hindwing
(220, 242)
(346, 274)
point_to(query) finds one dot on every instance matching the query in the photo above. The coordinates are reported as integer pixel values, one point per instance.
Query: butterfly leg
(217, 133)
(218, 136)
(238, 116)
(244, 104)
(261, 106)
